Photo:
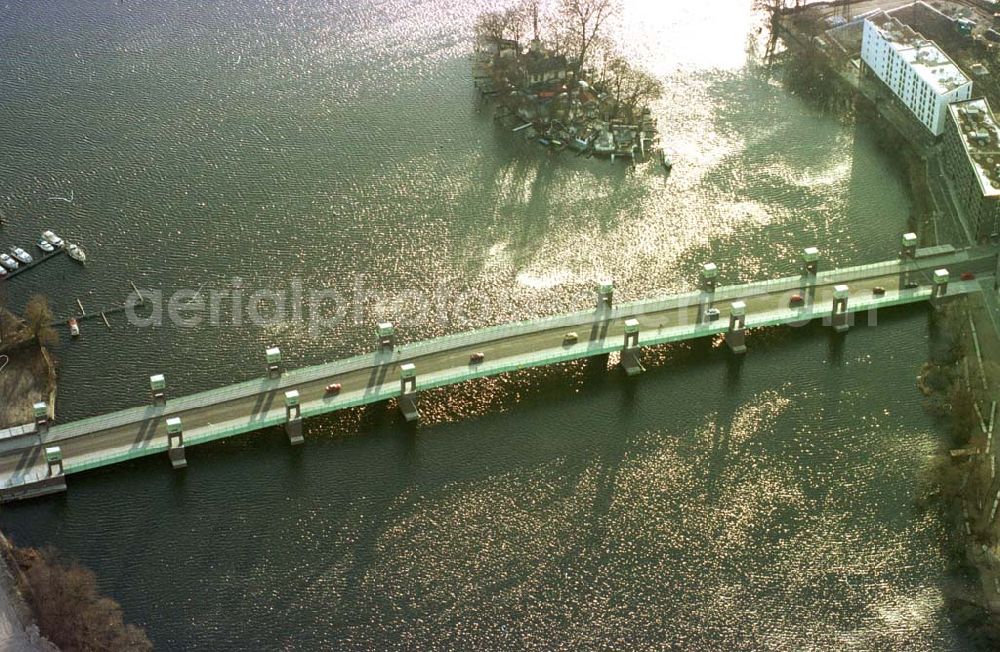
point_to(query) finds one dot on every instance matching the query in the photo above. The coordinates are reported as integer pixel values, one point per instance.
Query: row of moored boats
(49, 242)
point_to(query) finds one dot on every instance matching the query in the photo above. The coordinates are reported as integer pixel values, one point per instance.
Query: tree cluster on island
(555, 68)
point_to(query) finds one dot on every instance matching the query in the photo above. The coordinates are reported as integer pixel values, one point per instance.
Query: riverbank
(962, 378)
(27, 375)
(45, 598)
(18, 633)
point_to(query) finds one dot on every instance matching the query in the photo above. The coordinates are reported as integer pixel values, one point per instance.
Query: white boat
(76, 253)
(45, 245)
(665, 160)
(74, 327)
(21, 255)
(8, 262)
(3, 272)
(52, 239)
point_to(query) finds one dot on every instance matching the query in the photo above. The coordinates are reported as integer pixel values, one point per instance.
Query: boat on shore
(665, 160)
(604, 144)
(76, 253)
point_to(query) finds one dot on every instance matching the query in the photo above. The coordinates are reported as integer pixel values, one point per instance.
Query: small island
(570, 89)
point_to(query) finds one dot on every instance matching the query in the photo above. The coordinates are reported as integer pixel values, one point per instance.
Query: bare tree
(630, 88)
(38, 316)
(495, 26)
(491, 26)
(584, 19)
(69, 609)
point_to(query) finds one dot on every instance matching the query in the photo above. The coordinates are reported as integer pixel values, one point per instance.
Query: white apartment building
(923, 77)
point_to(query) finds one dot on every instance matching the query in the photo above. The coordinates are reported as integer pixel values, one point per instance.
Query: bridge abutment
(408, 392)
(175, 443)
(736, 335)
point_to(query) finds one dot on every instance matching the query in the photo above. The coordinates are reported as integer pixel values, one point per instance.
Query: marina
(24, 267)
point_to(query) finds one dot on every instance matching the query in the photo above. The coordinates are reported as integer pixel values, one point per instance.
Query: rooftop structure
(927, 59)
(922, 76)
(979, 135)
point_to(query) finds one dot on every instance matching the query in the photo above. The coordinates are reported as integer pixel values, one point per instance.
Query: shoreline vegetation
(27, 368)
(958, 482)
(568, 86)
(65, 604)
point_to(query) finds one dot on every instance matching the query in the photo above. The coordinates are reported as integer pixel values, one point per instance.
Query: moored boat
(52, 239)
(21, 255)
(8, 262)
(45, 245)
(76, 253)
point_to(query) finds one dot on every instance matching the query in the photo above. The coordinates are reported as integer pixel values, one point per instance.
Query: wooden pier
(38, 260)
(102, 313)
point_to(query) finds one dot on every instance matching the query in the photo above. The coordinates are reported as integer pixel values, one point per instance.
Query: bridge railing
(475, 338)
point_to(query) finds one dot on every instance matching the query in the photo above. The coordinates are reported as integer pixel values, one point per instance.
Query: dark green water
(705, 505)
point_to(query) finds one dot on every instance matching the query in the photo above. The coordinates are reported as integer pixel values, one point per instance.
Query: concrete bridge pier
(605, 294)
(709, 277)
(839, 317)
(940, 288)
(273, 355)
(907, 256)
(55, 481)
(386, 334)
(736, 335)
(175, 443)
(630, 351)
(293, 418)
(41, 413)
(408, 391)
(810, 262)
(157, 389)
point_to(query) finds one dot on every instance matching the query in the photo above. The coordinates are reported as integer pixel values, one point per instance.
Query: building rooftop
(980, 135)
(927, 59)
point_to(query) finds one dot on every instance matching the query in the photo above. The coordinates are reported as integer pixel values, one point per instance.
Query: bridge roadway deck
(367, 378)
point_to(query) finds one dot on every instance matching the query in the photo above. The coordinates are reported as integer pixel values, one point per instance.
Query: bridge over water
(35, 459)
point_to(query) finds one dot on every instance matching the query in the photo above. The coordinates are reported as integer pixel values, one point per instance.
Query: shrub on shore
(68, 608)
